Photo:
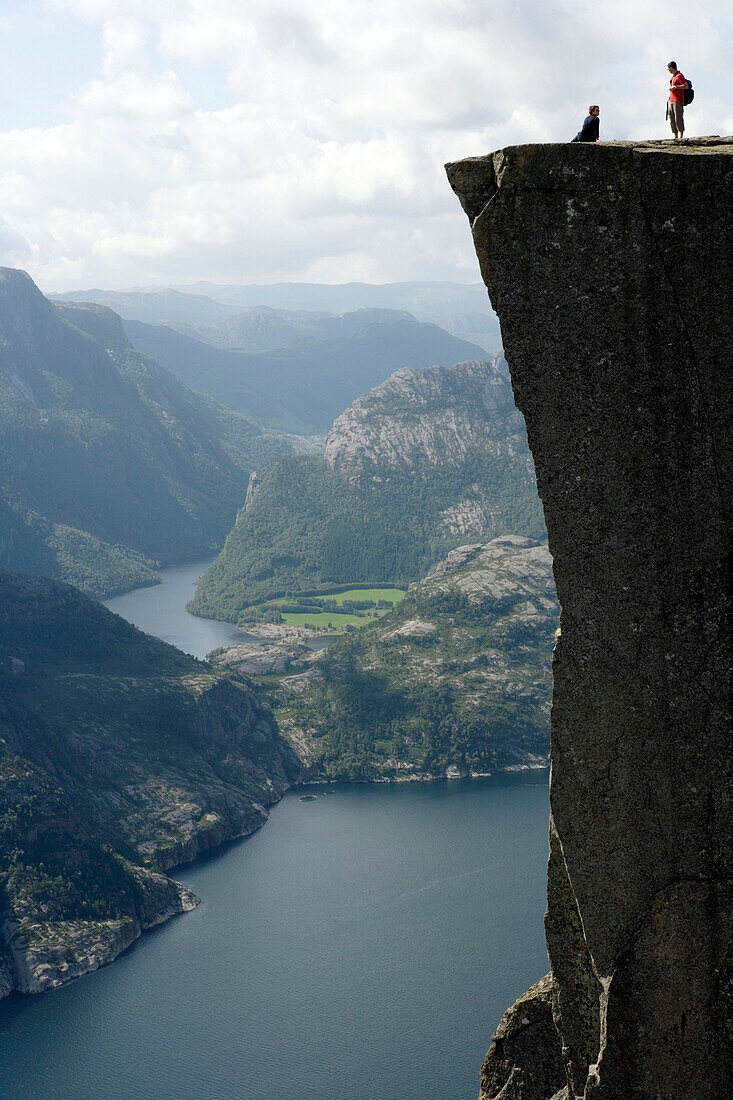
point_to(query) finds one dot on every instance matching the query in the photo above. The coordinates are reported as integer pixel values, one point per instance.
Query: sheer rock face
(610, 267)
(525, 1057)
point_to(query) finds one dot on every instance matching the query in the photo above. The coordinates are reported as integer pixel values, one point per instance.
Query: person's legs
(677, 118)
(672, 117)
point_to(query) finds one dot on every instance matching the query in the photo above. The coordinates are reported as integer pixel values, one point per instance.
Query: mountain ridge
(110, 464)
(302, 387)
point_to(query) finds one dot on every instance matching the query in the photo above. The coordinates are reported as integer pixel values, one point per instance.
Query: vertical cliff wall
(611, 270)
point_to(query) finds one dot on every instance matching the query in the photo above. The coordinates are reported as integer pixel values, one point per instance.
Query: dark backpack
(689, 94)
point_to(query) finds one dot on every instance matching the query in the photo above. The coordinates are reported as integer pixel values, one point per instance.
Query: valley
(424, 462)
(110, 465)
(333, 611)
(381, 609)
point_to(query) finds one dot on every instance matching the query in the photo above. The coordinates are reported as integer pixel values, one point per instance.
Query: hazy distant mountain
(424, 462)
(164, 305)
(463, 310)
(418, 298)
(301, 388)
(260, 328)
(478, 328)
(108, 462)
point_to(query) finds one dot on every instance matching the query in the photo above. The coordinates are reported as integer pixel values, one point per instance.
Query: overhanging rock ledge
(611, 267)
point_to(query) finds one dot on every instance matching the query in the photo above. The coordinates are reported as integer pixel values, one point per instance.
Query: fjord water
(161, 610)
(360, 945)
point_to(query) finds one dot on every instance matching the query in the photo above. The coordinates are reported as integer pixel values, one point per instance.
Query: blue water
(361, 946)
(161, 610)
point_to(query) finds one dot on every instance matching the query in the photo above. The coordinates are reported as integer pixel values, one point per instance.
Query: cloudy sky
(165, 141)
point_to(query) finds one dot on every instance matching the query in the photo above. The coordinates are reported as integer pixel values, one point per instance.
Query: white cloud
(133, 96)
(14, 248)
(324, 159)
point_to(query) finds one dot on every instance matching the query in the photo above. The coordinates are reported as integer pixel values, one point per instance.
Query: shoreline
(70, 968)
(508, 770)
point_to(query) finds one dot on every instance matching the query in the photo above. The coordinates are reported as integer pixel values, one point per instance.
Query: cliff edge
(610, 267)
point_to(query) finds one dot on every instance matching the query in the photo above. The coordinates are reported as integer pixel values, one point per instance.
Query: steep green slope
(421, 463)
(108, 462)
(300, 388)
(456, 678)
(119, 758)
(35, 544)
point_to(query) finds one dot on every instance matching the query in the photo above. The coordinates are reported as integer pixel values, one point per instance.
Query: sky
(254, 141)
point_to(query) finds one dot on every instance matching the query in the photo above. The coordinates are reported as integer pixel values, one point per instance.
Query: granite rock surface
(610, 267)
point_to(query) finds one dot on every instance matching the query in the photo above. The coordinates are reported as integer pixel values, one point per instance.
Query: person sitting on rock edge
(676, 102)
(590, 129)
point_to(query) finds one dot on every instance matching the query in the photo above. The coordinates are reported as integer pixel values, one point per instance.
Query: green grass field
(394, 595)
(340, 619)
(322, 619)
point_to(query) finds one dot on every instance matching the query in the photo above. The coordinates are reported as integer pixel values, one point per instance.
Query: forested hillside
(456, 677)
(109, 464)
(420, 464)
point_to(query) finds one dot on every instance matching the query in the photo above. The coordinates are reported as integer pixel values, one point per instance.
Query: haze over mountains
(109, 463)
(324, 345)
(301, 387)
(201, 303)
(119, 756)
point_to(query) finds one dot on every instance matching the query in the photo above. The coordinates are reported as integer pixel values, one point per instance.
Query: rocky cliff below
(610, 268)
(120, 757)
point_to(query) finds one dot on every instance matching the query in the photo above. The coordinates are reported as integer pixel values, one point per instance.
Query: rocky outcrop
(47, 954)
(610, 268)
(120, 757)
(431, 418)
(252, 486)
(525, 1056)
(262, 659)
(467, 649)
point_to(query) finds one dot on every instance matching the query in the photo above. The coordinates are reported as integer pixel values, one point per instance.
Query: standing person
(590, 129)
(676, 104)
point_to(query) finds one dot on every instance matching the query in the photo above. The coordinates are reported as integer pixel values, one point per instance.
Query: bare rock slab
(611, 269)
